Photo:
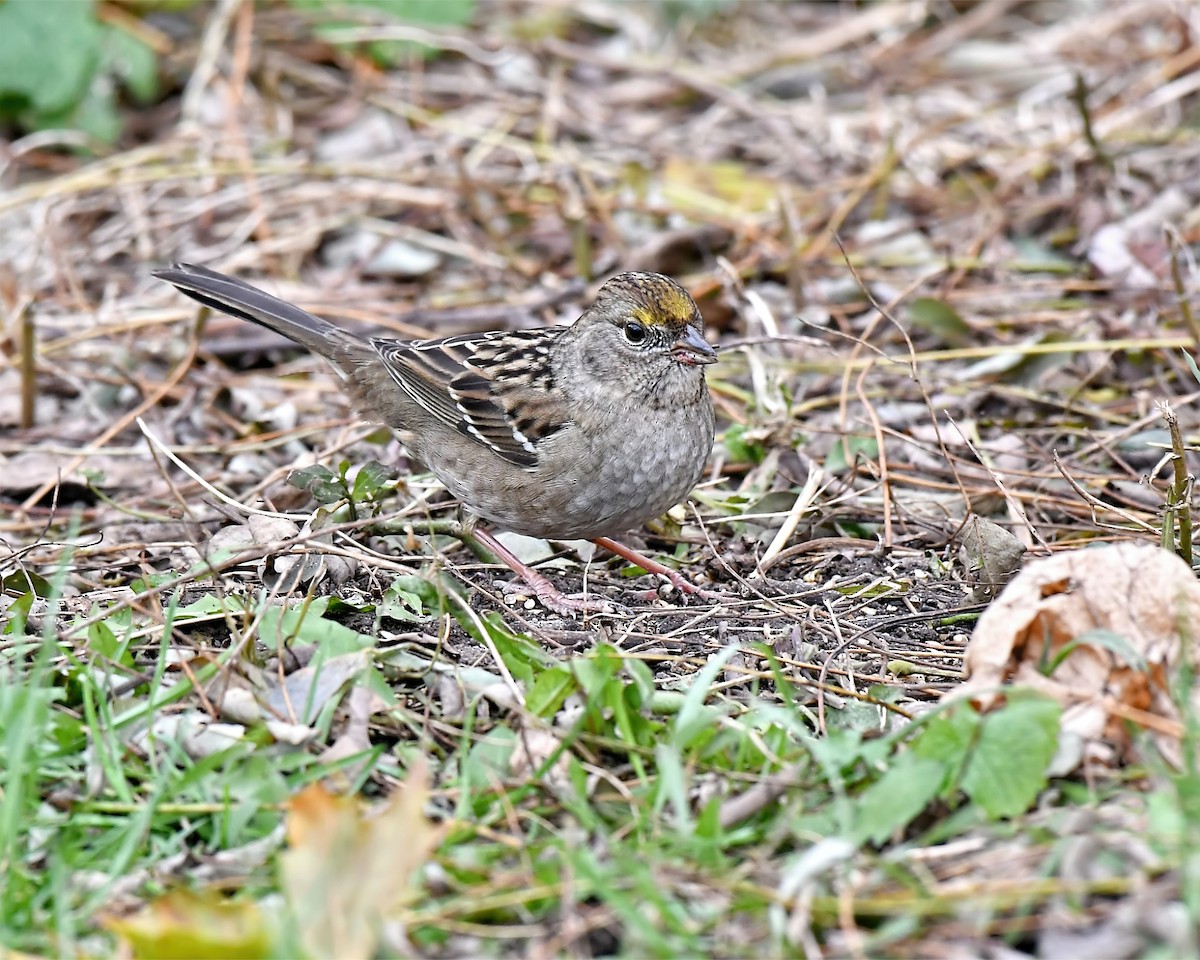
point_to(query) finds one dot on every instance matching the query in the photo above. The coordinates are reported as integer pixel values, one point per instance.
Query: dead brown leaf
(1103, 630)
(347, 869)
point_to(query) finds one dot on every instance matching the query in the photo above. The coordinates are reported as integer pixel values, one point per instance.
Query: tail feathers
(241, 300)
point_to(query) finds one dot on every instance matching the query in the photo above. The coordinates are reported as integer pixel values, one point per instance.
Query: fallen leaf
(990, 554)
(183, 924)
(193, 730)
(724, 188)
(535, 745)
(347, 869)
(1104, 631)
(1134, 251)
(305, 692)
(362, 704)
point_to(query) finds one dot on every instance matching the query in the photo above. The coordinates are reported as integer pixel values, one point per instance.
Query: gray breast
(632, 474)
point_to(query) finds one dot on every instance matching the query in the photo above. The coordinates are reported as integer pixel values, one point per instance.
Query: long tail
(241, 300)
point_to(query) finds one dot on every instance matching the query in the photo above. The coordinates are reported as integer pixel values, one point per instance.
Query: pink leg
(653, 566)
(547, 594)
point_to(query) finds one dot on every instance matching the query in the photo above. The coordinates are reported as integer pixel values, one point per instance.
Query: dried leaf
(347, 870)
(726, 188)
(305, 692)
(1103, 630)
(194, 731)
(184, 924)
(362, 704)
(990, 554)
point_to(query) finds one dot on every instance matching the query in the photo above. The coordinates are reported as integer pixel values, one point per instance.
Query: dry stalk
(1179, 493)
(1179, 250)
(28, 335)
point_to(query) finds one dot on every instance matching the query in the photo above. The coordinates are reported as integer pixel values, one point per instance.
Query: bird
(579, 432)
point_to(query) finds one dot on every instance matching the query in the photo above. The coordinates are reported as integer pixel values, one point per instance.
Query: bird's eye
(635, 332)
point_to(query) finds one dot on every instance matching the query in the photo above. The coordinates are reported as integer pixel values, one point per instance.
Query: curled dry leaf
(1103, 630)
(990, 555)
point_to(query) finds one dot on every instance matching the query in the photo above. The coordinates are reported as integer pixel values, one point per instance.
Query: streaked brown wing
(494, 387)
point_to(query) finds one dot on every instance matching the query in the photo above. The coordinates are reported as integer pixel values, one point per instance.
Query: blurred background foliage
(72, 64)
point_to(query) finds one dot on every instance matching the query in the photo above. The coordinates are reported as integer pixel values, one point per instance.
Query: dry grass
(816, 174)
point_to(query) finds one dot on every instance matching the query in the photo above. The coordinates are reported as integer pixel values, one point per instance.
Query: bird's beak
(691, 347)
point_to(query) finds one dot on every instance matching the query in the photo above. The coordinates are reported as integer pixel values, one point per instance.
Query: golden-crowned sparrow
(574, 432)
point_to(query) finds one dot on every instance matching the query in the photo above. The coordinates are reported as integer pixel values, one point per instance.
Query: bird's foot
(546, 593)
(554, 600)
(681, 583)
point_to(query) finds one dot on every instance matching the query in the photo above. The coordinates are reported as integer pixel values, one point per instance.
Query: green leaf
(17, 614)
(434, 13)
(624, 702)
(643, 679)
(940, 319)
(948, 737)
(405, 599)
(323, 484)
(307, 623)
(48, 52)
(103, 642)
(853, 714)
(430, 13)
(1191, 365)
(1114, 643)
(210, 605)
(132, 62)
(95, 114)
(520, 654)
(594, 673)
(61, 67)
(372, 479)
(846, 450)
(1168, 827)
(695, 717)
(487, 762)
(1033, 256)
(696, 10)
(150, 581)
(739, 448)
(708, 826)
(672, 786)
(1007, 767)
(26, 581)
(898, 796)
(550, 688)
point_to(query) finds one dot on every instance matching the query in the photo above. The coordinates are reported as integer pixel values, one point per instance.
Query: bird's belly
(583, 490)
